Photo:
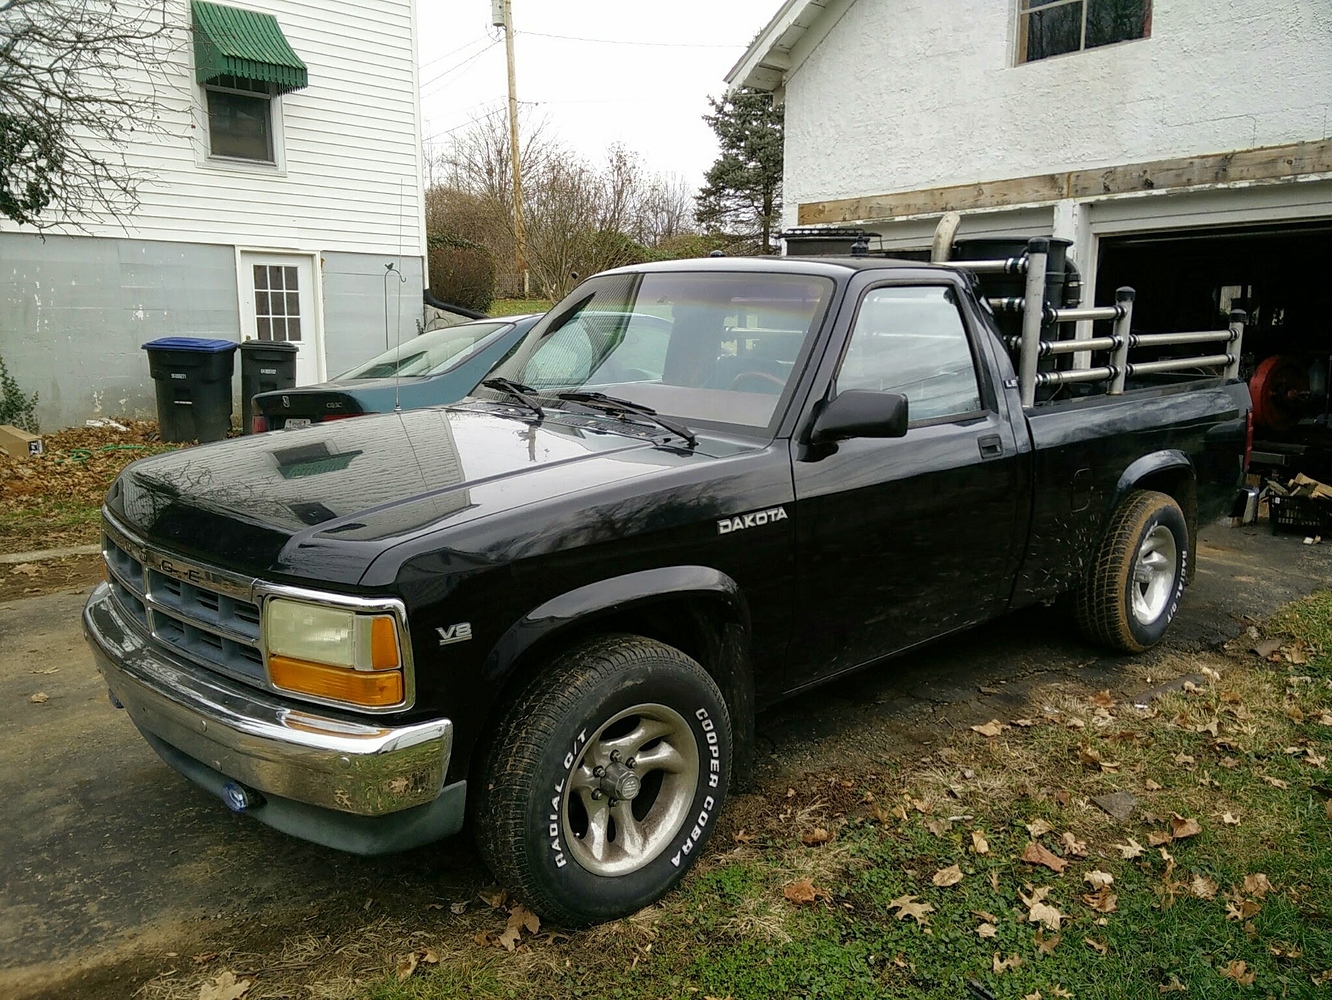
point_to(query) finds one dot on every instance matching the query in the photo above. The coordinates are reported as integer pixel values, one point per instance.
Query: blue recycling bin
(193, 381)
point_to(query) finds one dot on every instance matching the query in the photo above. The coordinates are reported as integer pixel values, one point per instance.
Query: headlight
(332, 653)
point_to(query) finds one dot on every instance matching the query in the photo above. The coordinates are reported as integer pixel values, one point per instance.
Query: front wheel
(1136, 579)
(602, 782)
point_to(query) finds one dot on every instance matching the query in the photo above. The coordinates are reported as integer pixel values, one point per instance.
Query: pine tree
(741, 198)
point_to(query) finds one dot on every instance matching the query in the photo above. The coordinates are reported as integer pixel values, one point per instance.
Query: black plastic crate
(1300, 515)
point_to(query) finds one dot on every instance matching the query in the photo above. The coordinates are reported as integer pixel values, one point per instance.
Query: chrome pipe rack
(1029, 348)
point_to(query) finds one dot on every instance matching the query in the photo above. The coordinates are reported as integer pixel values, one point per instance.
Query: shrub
(17, 408)
(462, 271)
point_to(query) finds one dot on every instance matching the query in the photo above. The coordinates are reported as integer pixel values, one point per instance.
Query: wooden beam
(1267, 164)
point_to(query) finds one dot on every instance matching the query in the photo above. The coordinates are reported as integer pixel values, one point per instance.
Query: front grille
(218, 630)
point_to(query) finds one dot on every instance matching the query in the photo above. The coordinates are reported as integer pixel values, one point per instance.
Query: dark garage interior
(1190, 280)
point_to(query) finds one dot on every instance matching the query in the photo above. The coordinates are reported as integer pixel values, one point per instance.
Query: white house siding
(349, 173)
(346, 191)
(903, 95)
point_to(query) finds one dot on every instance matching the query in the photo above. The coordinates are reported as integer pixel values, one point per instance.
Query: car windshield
(713, 347)
(427, 354)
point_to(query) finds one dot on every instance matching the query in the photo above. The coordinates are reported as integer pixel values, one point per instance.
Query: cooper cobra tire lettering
(714, 777)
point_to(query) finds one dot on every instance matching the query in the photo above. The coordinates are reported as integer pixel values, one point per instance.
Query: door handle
(991, 445)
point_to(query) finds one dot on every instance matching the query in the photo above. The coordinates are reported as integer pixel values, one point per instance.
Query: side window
(911, 340)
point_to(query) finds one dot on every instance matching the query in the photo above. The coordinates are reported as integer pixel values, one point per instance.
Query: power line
(445, 55)
(466, 124)
(620, 41)
(455, 69)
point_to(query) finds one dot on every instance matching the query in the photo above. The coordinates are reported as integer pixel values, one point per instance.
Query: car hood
(323, 502)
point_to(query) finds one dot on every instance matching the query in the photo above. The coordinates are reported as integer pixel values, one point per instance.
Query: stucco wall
(354, 310)
(910, 94)
(74, 312)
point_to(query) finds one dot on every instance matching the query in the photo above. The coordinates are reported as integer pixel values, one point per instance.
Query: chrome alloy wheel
(1153, 582)
(630, 790)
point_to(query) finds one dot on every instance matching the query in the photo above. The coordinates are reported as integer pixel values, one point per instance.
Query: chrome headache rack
(1030, 347)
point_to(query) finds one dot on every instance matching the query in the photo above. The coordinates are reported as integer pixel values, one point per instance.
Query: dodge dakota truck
(549, 612)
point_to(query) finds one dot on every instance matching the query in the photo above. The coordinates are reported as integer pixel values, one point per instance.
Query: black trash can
(265, 365)
(193, 379)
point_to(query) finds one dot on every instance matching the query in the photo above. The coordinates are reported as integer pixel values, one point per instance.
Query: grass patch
(512, 307)
(1244, 756)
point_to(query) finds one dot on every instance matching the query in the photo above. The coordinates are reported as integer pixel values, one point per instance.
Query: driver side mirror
(861, 413)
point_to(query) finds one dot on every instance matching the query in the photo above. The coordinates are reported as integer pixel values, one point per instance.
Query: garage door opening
(1279, 276)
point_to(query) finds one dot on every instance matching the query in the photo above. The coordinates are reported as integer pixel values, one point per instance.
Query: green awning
(229, 41)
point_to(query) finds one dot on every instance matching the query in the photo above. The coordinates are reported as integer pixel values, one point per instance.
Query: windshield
(703, 346)
(427, 354)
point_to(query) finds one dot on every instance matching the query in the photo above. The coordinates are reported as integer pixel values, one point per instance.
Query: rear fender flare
(1166, 460)
(1169, 460)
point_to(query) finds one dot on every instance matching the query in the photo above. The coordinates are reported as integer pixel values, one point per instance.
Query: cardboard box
(18, 444)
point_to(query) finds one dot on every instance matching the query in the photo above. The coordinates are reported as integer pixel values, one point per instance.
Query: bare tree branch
(80, 80)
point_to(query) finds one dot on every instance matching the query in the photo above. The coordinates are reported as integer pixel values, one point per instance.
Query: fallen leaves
(1274, 782)
(945, 877)
(1236, 970)
(816, 837)
(1100, 947)
(906, 906)
(1181, 828)
(1203, 887)
(986, 930)
(990, 729)
(1039, 911)
(1129, 851)
(1242, 909)
(1257, 885)
(1046, 945)
(1035, 854)
(1098, 879)
(26, 569)
(804, 891)
(40, 698)
(1102, 900)
(1073, 846)
(224, 987)
(979, 845)
(1002, 965)
(410, 962)
(1038, 828)
(520, 919)
(1230, 819)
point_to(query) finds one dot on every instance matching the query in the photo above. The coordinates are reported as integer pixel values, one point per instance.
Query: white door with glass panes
(277, 296)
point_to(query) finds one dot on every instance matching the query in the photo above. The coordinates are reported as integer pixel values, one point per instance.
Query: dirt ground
(118, 870)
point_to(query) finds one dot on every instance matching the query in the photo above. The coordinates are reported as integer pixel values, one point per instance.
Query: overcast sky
(641, 76)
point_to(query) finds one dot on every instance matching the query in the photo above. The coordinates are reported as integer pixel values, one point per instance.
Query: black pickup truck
(550, 611)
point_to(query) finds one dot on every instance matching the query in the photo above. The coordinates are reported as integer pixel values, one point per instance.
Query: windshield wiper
(520, 392)
(624, 407)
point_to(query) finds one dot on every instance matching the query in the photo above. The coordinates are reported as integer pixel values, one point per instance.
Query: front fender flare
(731, 667)
(613, 594)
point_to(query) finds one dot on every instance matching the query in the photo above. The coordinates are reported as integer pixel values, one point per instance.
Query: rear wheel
(1136, 579)
(603, 780)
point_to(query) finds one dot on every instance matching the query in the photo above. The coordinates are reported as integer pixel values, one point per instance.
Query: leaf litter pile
(52, 500)
(1101, 846)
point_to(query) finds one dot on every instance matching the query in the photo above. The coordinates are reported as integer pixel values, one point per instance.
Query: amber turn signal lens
(384, 644)
(374, 689)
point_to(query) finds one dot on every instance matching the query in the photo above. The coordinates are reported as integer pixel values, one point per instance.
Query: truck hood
(323, 502)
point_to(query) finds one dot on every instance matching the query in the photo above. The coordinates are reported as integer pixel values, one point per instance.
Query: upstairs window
(1055, 27)
(240, 118)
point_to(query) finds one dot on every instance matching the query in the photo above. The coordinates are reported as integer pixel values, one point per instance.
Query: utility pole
(504, 18)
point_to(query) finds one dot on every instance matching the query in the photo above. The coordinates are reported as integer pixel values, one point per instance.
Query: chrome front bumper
(338, 766)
